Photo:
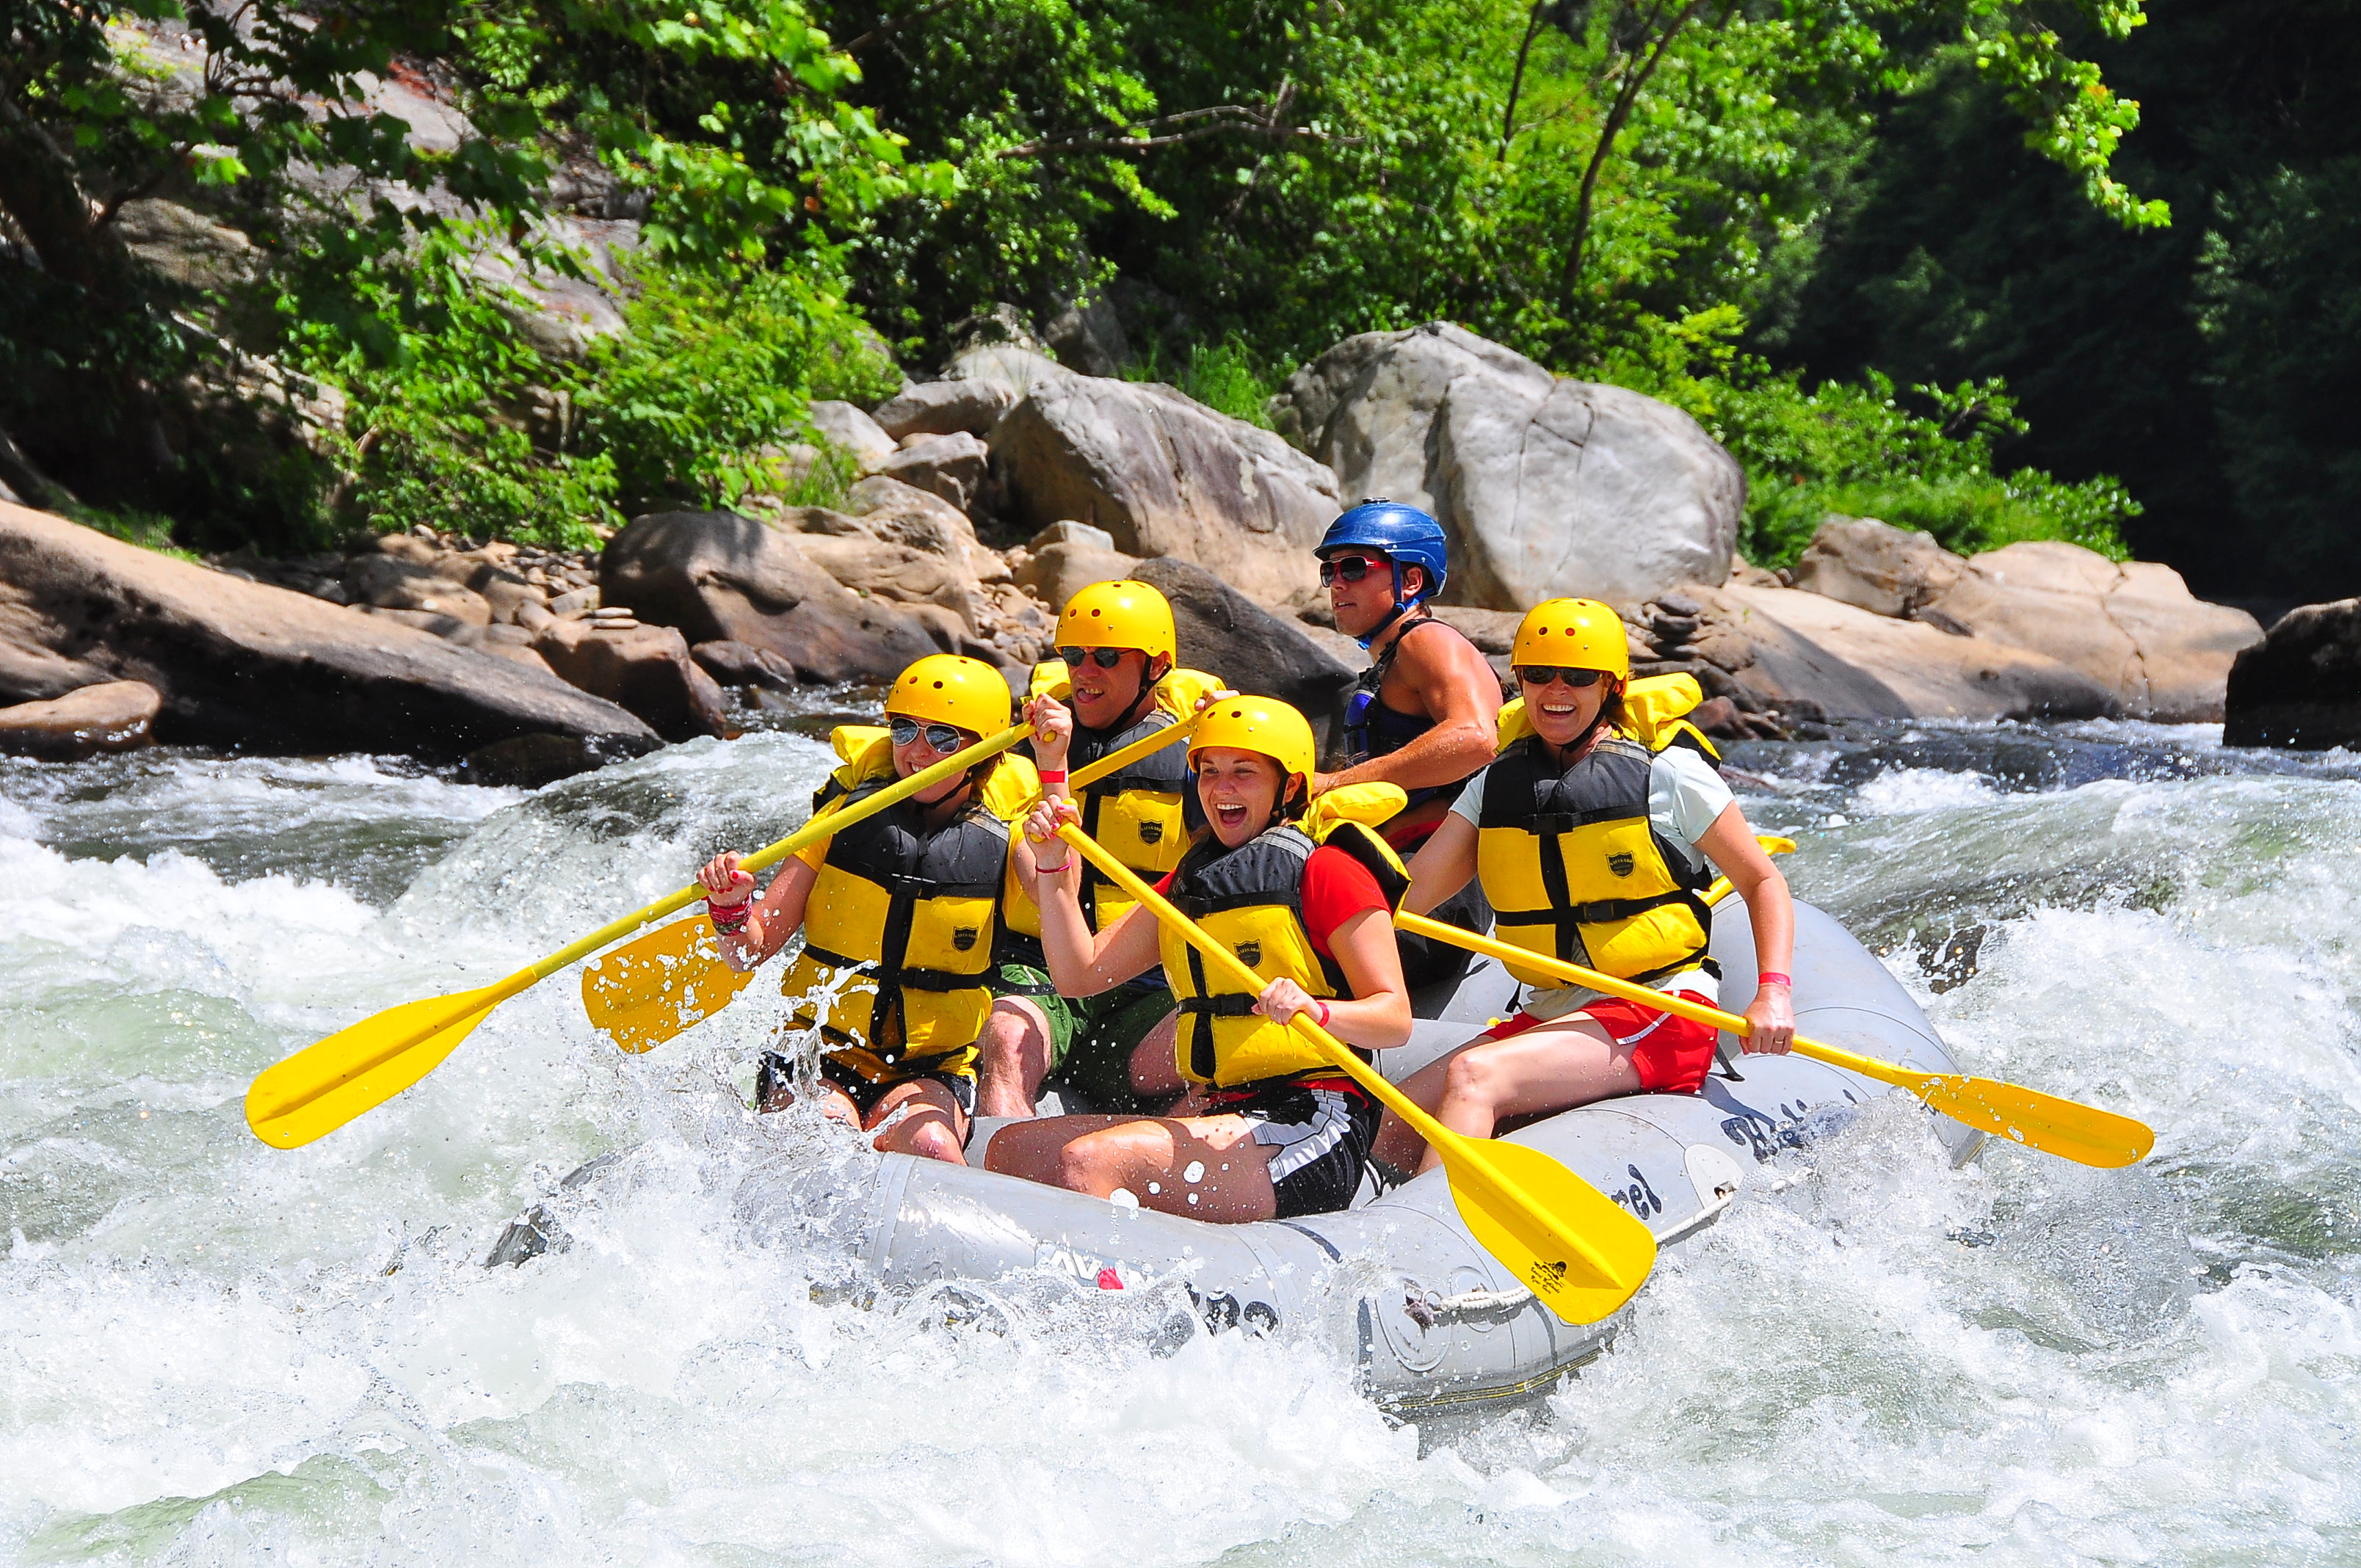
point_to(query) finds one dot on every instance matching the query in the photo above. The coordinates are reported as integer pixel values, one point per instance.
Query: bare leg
(934, 1128)
(834, 1102)
(1149, 1157)
(1568, 1062)
(1155, 1073)
(1015, 1058)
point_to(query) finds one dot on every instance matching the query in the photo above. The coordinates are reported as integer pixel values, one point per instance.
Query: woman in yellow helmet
(1592, 848)
(899, 913)
(1309, 908)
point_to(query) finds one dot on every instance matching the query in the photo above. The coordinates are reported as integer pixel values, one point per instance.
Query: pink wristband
(1773, 977)
(1048, 777)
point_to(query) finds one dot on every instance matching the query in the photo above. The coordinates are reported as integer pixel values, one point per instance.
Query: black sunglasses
(944, 738)
(1104, 658)
(1352, 569)
(1543, 674)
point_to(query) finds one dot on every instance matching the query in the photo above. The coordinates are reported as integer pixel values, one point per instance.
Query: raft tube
(1435, 1325)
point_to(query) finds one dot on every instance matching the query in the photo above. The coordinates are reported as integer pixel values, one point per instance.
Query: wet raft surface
(210, 1351)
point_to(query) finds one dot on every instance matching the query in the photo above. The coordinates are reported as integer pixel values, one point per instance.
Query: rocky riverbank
(983, 499)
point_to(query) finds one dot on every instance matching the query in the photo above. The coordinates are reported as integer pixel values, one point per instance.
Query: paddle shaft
(1442, 1139)
(470, 1002)
(1729, 1023)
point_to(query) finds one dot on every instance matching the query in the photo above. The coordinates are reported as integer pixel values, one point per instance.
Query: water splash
(214, 1352)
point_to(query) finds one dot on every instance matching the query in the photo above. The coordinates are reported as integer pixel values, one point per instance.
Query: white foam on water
(213, 1352)
(1923, 789)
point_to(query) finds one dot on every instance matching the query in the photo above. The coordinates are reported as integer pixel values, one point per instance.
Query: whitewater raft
(1435, 1325)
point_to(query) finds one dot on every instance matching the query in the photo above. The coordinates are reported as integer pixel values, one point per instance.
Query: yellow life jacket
(1574, 870)
(1139, 815)
(1251, 898)
(914, 914)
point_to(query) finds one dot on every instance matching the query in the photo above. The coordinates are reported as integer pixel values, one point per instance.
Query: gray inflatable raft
(1435, 1325)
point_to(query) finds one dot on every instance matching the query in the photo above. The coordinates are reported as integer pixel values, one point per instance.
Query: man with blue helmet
(1423, 714)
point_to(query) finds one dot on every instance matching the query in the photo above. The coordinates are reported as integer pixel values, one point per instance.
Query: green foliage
(1227, 377)
(710, 374)
(148, 530)
(1857, 451)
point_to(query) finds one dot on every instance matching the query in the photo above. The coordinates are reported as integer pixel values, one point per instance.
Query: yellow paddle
(645, 993)
(326, 1085)
(1555, 1232)
(2066, 1128)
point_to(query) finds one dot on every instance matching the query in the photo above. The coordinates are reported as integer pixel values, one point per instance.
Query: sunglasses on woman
(943, 737)
(1104, 658)
(1543, 674)
(1352, 569)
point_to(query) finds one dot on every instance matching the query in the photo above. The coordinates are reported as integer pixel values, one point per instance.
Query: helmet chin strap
(1398, 610)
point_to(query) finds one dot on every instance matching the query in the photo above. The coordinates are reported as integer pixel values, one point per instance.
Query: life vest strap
(1230, 1005)
(907, 979)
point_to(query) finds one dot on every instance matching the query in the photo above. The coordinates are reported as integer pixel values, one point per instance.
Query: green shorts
(1091, 1037)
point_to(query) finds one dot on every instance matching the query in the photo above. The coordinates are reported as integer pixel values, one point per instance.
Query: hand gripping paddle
(1555, 1232)
(643, 994)
(2066, 1128)
(326, 1085)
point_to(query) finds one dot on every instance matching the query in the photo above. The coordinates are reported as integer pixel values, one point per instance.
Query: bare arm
(1730, 845)
(1452, 684)
(1443, 865)
(1082, 963)
(777, 914)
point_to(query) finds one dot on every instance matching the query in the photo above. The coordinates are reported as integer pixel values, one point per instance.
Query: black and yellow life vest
(1139, 815)
(1251, 898)
(1568, 859)
(913, 913)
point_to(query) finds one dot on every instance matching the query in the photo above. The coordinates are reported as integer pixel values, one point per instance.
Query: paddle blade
(646, 992)
(2066, 1128)
(323, 1086)
(1565, 1240)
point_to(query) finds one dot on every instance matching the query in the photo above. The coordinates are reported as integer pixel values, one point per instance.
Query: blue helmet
(1405, 536)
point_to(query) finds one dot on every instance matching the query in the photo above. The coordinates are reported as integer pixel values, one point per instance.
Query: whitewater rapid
(213, 1352)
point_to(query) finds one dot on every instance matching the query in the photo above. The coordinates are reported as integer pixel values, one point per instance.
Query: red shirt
(1335, 888)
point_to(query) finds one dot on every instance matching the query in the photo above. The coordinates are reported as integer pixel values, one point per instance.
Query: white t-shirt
(1685, 797)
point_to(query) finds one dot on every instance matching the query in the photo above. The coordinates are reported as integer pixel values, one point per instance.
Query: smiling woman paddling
(1305, 899)
(899, 913)
(1592, 849)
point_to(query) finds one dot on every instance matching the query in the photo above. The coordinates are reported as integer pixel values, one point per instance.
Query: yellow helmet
(1261, 724)
(1580, 634)
(953, 689)
(1125, 614)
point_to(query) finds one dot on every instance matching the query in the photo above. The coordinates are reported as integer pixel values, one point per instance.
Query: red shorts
(1672, 1054)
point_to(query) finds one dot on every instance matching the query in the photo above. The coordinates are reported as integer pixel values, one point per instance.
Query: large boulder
(1225, 633)
(1169, 476)
(849, 430)
(2301, 685)
(1546, 487)
(643, 668)
(1789, 651)
(247, 665)
(982, 385)
(2135, 628)
(718, 576)
(1880, 568)
(113, 716)
(953, 466)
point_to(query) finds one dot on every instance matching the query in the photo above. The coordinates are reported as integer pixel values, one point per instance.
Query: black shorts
(1317, 1132)
(777, 1070)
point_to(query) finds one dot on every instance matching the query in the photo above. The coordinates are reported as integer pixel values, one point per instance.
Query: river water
(213, 1352)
